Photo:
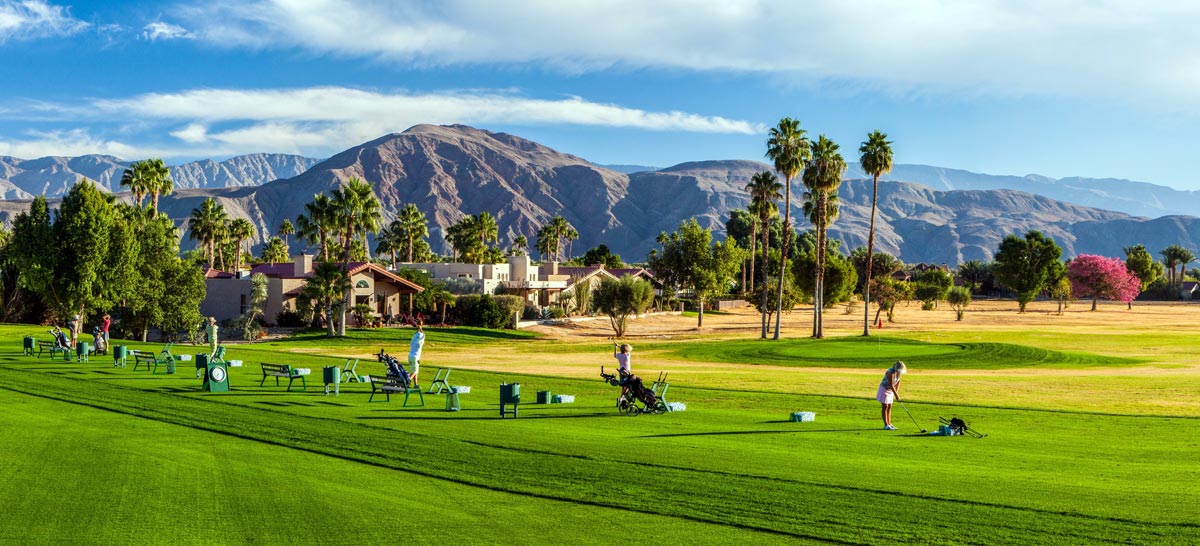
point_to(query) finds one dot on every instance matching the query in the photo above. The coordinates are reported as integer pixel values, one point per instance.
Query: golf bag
(632, 392)
(60, 338)
(99, 344)
(959, 427)
(394, 368)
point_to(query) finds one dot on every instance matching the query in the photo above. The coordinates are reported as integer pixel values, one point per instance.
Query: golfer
(414, 350)
(622, 353)
(889, 391)
(211, 332)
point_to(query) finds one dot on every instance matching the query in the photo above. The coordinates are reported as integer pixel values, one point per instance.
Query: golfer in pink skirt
(889, 391)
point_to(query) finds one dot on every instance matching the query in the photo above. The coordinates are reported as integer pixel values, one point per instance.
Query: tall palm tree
(570, 235)
(765, 190)
(326, 286)
(285, 229)
(136, 179)
(240, 229)
(487, 227)
(158, 180)
(1186, 256)
(822, 176)
(788, 149)
(520, 246)
(876, 160)
(413, 226)
(318, 223)
(206, 225)
(547, 243)
(1176, 255)
(358, 213)
(389, 241)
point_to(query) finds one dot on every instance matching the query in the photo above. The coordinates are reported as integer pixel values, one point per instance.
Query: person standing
(889, 391)
(73, 329)
(210, 331)
(104, 325)
(622, 353)
(414, 350)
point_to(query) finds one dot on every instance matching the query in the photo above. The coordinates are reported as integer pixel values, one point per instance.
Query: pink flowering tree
(1100, 277)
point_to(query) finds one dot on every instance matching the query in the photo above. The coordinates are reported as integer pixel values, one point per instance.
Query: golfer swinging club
(889, 392)
(621, 352)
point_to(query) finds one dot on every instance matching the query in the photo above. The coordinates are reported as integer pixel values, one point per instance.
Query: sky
(1058, 88)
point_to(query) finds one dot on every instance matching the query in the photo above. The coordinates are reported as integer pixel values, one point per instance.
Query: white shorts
(885, 395)
(415, 363)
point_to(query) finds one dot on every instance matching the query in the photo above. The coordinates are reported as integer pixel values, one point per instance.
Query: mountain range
(453, 171)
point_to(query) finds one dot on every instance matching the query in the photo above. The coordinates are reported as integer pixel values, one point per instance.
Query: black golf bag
(633, 391)
(99, 344)
(60, 338)
(394, 368)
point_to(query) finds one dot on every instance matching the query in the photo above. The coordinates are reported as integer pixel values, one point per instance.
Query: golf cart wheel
(631, 409)
(660, 407)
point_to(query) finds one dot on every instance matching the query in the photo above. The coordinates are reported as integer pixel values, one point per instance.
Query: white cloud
(34, 19)
(1133, 51)
(73, 142)
(194, 133)
(159, 30)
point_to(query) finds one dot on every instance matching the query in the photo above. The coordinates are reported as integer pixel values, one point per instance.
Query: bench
(391, 384)
(279, 371)
(152, 362)
(54, 349)
(440, 378)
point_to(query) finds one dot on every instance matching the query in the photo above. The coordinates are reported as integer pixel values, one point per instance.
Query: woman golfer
(889, 391)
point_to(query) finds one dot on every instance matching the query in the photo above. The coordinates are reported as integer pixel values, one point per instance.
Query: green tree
(327, 286)
(876, 160)
(239, 229)
(765, 192)
(388, 241)
(603, 256)
(206, 226)
(158, 180)
(285, 230)
(975, 274)
(519, 247)
(788, 149)
(1024, 265)
(413, 229)
(621, 299)
(551, 236)
(959, 298)
(358, 213)
(840, 276)
(258, 299)
(882, 265)
(82, 232)
(318, 223)
(274, 251)
(1140, 262)
(692, 260)
(33, 234)
(1176, 255)
(931, 286)
(822, 176)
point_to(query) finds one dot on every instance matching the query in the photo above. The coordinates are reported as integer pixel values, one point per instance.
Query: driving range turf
(102, 455)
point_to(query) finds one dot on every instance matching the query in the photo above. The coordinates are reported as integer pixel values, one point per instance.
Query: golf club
(910, 415)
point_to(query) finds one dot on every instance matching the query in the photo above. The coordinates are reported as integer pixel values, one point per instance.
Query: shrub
(289, 319)
(959, 298)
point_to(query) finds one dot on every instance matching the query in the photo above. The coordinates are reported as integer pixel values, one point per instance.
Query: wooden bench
(279, 371)
(152, 362)
(391, 384)
(54, 349)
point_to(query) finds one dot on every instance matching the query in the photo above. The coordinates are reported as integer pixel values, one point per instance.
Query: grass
(729, 469)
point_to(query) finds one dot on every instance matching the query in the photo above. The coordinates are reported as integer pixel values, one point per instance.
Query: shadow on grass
(752, 432)
(492, 415)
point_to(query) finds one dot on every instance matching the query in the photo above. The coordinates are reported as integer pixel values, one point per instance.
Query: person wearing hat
(211, 332)
(889, 391)
(414, 351)
(73, 327)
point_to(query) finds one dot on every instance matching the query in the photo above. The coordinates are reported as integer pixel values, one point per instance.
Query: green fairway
(129, 457)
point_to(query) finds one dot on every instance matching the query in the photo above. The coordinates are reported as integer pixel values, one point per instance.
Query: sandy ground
(1159, 386)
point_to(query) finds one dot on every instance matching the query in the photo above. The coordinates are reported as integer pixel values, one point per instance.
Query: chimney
(553, 268)
(303, 265)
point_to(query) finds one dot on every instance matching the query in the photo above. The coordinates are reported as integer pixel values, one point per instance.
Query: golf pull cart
(633, 392)
(957, 427)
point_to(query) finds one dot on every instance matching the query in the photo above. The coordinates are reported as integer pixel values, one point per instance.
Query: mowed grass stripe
(797, 509)
(81, 475)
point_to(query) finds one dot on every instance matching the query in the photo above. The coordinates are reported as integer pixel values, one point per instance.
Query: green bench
(391, 384)
(282, 371)
(152, 362)
(54, 349)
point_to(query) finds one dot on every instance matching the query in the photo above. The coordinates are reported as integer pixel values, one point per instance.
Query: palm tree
(206, 225)
(1185, 257)
(414, 227)
(487, 227)
(158, 181)
(318, 223)
(358, 212)
(822, 176)
(240, 229)
(520, 246)
(789, 150)
(389, 241)
(285, 229)
(570, 235)
(1176, 255)
(136, 178)
(876, 160)
(328, 284)
(547, 243)
(764, 191)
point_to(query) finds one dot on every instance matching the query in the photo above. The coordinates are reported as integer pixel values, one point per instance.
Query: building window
(244, 307)
(362, 283)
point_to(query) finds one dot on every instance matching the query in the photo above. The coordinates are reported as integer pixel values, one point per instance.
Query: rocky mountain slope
(452, 171)
(53, 176)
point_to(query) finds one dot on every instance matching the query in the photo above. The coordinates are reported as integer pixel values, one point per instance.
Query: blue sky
(1059, 88)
